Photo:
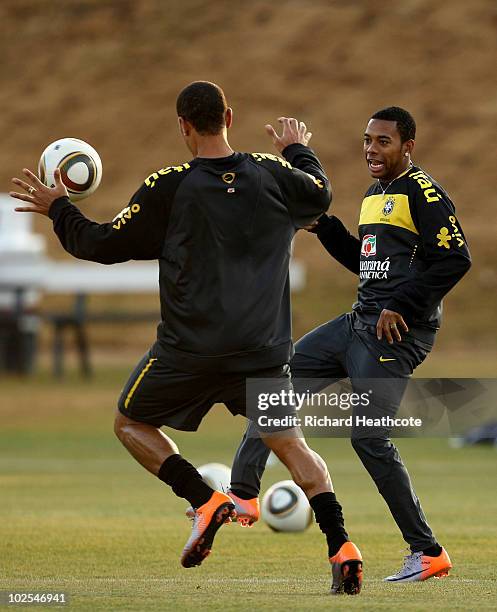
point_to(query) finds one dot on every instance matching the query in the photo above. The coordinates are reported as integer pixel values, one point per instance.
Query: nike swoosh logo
(408, 576)
(383, 359)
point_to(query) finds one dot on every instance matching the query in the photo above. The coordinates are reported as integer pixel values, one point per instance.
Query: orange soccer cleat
(247, 510)
(418, 566)
(208, 519)
(346, 570)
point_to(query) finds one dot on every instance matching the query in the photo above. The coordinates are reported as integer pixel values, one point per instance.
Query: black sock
(329, 517)
(184, 480)
(242, 494)
(433, 551)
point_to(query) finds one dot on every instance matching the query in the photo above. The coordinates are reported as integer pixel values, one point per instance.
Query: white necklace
(383, 191)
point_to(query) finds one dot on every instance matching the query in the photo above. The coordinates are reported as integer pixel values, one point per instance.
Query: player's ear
(408, 147)
(228, 117)
(183, 126)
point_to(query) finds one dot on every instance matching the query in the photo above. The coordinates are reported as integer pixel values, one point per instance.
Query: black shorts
(158, 394)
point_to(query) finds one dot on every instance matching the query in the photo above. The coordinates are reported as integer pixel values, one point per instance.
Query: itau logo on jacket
(368, 248)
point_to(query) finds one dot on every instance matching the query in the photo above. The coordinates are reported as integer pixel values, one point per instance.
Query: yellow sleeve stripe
(138, 381)
(152, 178)
(261, 156)
(389, 209)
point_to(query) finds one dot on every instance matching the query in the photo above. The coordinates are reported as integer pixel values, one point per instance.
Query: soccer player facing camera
(221, 226)
(410, 253)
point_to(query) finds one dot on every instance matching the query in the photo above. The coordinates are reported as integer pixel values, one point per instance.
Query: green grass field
(78, 515)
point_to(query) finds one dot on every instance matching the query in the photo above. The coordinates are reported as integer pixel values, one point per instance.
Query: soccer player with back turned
(221, 227)
(410, 252)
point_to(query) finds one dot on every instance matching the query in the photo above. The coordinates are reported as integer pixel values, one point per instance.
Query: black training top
(410, 252)
(222, 231)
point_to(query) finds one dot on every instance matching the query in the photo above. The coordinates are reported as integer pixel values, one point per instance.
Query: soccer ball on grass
(286, 508)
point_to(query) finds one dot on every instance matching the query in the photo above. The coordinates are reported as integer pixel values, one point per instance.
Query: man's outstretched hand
(38, 196)
(293, 132)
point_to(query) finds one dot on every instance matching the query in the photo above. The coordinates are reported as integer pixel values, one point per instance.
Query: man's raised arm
(305, 184)
(137, 232)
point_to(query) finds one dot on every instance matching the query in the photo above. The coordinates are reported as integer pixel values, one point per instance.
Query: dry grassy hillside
(108, 71)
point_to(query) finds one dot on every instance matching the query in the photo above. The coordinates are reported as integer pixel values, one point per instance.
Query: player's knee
(122, 426)
(118, 425)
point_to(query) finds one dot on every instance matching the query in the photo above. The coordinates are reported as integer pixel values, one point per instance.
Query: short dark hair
(405, 121)
(203, 104)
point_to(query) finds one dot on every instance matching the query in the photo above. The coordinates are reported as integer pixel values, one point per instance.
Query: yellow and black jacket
(222, 231)
(410, 252)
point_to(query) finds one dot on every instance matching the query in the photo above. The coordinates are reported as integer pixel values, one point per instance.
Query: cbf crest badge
(388, 208)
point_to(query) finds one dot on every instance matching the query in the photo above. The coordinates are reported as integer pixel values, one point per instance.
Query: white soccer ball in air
(285, 507)
(216, 475)
(80, 166)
